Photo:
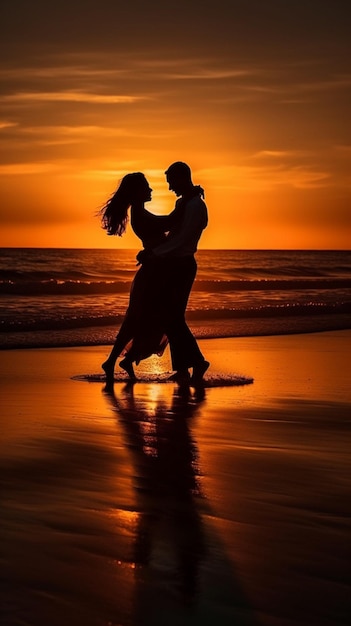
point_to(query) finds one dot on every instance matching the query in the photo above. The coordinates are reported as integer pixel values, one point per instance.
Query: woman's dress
(147, 307)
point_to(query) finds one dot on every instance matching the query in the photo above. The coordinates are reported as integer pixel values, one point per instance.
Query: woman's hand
(143, 256)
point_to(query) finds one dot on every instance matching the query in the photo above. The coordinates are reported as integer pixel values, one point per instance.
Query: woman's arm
(161, 221)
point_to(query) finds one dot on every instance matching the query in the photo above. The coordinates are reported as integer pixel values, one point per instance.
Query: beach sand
(150, 507)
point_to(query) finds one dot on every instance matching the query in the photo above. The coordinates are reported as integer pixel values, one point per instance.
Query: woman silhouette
(142, 331)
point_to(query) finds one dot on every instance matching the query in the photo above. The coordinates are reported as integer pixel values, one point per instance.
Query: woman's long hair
(114, 213)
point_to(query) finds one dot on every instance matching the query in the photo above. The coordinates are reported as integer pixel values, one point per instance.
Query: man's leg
(185, 351)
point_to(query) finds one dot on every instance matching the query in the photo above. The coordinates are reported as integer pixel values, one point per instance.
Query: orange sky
(253, 95)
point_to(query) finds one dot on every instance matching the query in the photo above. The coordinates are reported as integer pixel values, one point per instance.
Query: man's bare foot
(198, 373)
(182, 377)
(127, 366)
(109, 371)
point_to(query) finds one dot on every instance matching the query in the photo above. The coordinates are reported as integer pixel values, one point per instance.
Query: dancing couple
(161, 287)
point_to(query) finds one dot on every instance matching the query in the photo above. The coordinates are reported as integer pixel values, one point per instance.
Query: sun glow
(263, 131)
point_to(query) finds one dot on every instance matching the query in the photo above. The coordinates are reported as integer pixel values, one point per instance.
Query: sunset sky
(253, 94)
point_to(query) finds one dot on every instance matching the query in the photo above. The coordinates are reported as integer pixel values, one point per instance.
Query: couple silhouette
(161, 287)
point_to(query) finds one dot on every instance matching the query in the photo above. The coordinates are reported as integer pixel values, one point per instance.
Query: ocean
(54, 297)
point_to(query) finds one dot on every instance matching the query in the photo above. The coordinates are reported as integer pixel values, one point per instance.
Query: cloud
(71, 96)
(331, 84)
(343, 149)
(66, 66)
(20, 169)
(265, 177)
(277, 153)
(103, 72)
(204, 73)
(5, 124)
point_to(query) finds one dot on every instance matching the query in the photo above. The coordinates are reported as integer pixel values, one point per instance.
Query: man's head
(178, 177)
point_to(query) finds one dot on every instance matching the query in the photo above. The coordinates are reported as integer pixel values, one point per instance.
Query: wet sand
(147, 506)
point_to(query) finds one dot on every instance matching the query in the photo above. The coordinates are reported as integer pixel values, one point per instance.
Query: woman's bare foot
(127, 366)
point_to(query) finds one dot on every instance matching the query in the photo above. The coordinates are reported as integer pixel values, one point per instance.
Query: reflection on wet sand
(166, 483)
(179, 564)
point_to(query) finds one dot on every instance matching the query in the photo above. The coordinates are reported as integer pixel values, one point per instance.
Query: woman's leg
(124, 335)
(128, 328)
(147, 326)
(127, 365)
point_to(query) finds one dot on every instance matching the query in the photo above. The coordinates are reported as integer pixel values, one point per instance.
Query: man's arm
(194, 221)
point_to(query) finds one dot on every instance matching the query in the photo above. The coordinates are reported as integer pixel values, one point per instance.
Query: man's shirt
(183, 239)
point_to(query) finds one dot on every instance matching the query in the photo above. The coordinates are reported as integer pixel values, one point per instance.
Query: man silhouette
(180, 266)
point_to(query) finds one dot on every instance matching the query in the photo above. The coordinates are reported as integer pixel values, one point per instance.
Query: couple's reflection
(169, 537)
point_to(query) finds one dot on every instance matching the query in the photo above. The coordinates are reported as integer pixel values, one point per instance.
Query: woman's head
(132, 189)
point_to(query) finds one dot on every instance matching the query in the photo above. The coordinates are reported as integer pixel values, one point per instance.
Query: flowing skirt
(147, 311)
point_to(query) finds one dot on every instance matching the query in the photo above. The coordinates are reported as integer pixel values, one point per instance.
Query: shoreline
(147, 506)
(217, 329)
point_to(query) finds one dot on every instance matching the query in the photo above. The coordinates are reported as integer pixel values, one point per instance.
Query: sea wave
(59, 296)
(212, 329)
(61, 286)
(210, 314)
